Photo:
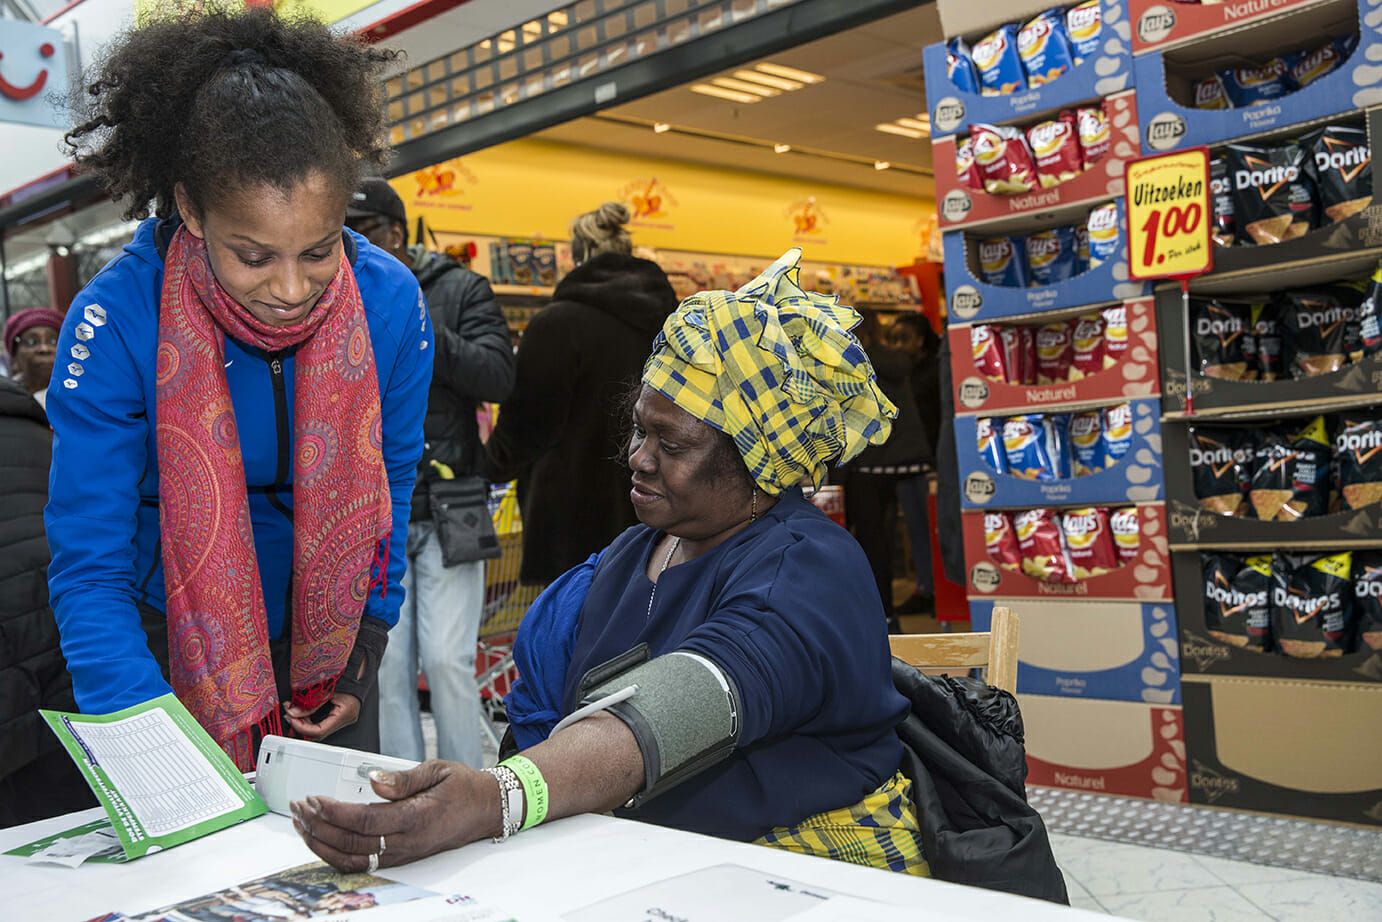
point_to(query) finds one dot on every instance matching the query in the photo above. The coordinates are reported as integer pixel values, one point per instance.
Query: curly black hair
(220, 101)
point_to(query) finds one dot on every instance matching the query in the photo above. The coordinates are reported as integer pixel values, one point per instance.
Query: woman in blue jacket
(238, 398)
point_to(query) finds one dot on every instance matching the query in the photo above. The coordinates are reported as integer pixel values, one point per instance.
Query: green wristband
(534, 789)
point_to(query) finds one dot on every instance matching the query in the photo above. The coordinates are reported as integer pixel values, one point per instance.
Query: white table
(538, 875)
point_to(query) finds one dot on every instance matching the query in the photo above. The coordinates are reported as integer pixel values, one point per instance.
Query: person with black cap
(445, 583)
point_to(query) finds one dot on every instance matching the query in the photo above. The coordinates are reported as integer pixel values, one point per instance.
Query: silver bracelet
(510, 800)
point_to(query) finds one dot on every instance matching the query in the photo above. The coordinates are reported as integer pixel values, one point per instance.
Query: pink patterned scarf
(218, 641)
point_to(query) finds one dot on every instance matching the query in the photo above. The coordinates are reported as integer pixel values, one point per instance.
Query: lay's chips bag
(1089, 542)
(989, 436)
(959, 66)
(1044, 48)
(1051, 256)
(1105, 236)
(1084, 22)
(996, 59)
(1117, 433)
(1087, 442)
(1003, 261)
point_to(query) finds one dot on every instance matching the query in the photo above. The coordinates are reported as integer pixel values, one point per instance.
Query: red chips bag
(965, 170)
(1043, 551)
(1055, 150)
(1003, 160)
(1000, 541)
(1054, 353)
(1089, 542)
(1115, 334)
(1019, 353)
(1087, 341)
(989, 360)
(1126, 526)
(1094, 132)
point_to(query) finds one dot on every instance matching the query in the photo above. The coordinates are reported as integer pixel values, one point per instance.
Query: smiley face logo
(35, 86)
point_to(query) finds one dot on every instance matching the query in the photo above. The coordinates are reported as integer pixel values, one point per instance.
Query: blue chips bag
(1249, 86)
(1087, 442)
(995, 58)
(959, 66)
(1084, 23)
(990, 444)
(1036, 446)
(1044, 48)
(1117, 435)
(1105, 236)
(1058, 445)
(1003, 261)
(1052, 256)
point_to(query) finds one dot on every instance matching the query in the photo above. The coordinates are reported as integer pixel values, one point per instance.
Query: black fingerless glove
(362, 668)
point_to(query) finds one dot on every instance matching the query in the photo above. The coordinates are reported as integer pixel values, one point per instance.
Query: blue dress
(788, 609)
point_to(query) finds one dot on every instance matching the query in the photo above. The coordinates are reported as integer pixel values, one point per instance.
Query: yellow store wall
(533, 188)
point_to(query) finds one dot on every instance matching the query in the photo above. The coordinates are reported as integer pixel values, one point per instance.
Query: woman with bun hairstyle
(560, 433)
(239, 395)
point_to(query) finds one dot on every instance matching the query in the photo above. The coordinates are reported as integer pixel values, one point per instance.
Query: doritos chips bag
(1222, 187)
(1367, 596)
(1095, 136)
(1126, 525)
(1044, 48)
(1003, 160)
(1003, 261)
(1272, 201)
(1291, 474)
(995, 58)
(1051, 256)
(1084, 23)
(1000, 541)
(1358, 457)
(1237, 599)
(1117, 433)
(1312, 604)
(1087, 442)
(1043, 551)
(959, 66)
(1340, 163)
(1265, 346)
(1251, 86)
(1320, 329)
(988, 356)
(1054, 352)
(1055, 150)
(1089, 542)
(1087, 345)
(989, 435)
(1370, 315)
(1115, 334)
(1221, 465)
(1220, 331)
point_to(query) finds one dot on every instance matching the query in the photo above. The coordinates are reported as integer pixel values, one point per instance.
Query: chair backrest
(995, 650)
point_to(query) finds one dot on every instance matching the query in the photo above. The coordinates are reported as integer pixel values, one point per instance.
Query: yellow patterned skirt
(880, 831)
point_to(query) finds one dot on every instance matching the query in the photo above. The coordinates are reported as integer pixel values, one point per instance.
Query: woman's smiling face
(273, 251)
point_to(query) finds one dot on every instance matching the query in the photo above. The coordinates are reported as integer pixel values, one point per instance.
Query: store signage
(1155, 24)
(1170, 212)
(33, 74)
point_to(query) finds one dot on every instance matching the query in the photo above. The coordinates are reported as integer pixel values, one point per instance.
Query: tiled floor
(1152, 885)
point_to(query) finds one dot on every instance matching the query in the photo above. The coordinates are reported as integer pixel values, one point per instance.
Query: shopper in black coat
(37, 778)
(561, 432)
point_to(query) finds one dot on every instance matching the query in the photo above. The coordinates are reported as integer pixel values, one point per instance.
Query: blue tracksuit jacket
(102, 514)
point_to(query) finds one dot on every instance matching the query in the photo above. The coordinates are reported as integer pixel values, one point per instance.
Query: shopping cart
(506, 601)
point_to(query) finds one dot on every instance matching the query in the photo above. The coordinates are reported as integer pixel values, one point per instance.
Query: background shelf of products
(1101, 683)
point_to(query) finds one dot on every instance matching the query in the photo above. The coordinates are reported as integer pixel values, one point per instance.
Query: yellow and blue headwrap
(777, 369)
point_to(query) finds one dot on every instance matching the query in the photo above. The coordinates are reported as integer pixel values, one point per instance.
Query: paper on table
(94, 841)
(701, 896)
(162, 780)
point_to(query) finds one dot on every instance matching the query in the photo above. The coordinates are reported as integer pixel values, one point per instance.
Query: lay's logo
(1033, 37)
(995, 254)
(1083, 524)
(1048, 137)
(1018, 434)
(1042, 250)
(1270, 72)
(1118, 421)
(1103, 224)
(1083, 22)
(987, 52)
(1085, 429)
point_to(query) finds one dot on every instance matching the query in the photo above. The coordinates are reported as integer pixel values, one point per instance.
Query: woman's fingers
(344, 711)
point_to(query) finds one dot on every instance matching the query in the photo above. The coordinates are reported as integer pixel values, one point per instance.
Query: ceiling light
(791, 73)
(915, 125)
(890, 128)
(780, 83)
(661, 127)
(741, 86)
(781, 148)
(881, 164)
(557, 19)
(705, 89)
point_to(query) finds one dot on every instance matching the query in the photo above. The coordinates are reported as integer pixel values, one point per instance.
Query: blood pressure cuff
(684, 712)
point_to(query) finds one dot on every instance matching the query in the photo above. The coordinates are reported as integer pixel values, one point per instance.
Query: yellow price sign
(1170, 210)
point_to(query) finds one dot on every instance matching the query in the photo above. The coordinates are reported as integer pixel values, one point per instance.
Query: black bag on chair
(460, 513)
(963, 751)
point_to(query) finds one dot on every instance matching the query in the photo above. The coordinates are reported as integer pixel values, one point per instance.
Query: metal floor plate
(1320, 848)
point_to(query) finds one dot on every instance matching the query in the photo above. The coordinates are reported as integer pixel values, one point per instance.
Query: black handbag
(460, 513)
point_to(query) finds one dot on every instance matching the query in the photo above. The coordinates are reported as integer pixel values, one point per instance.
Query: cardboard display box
(1295, 748)
(1114, 651)
(1109, 747)
(1196, 528)
(1355, 385)
(1134, 377)
(1204, 654)
(1168, 124)
(1161, 24)
(1146, 579)
(973, 300)
(1108, 72)
(1135, 478)
(964, 207)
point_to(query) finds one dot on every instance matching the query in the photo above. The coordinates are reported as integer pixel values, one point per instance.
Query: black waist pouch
(460, 513)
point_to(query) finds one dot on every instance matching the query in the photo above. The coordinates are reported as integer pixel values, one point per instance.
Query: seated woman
(722, 668)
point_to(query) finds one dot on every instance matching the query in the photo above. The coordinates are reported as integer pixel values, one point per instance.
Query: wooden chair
(995, 650)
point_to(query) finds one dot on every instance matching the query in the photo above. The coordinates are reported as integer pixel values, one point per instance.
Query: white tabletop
(540, 874)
